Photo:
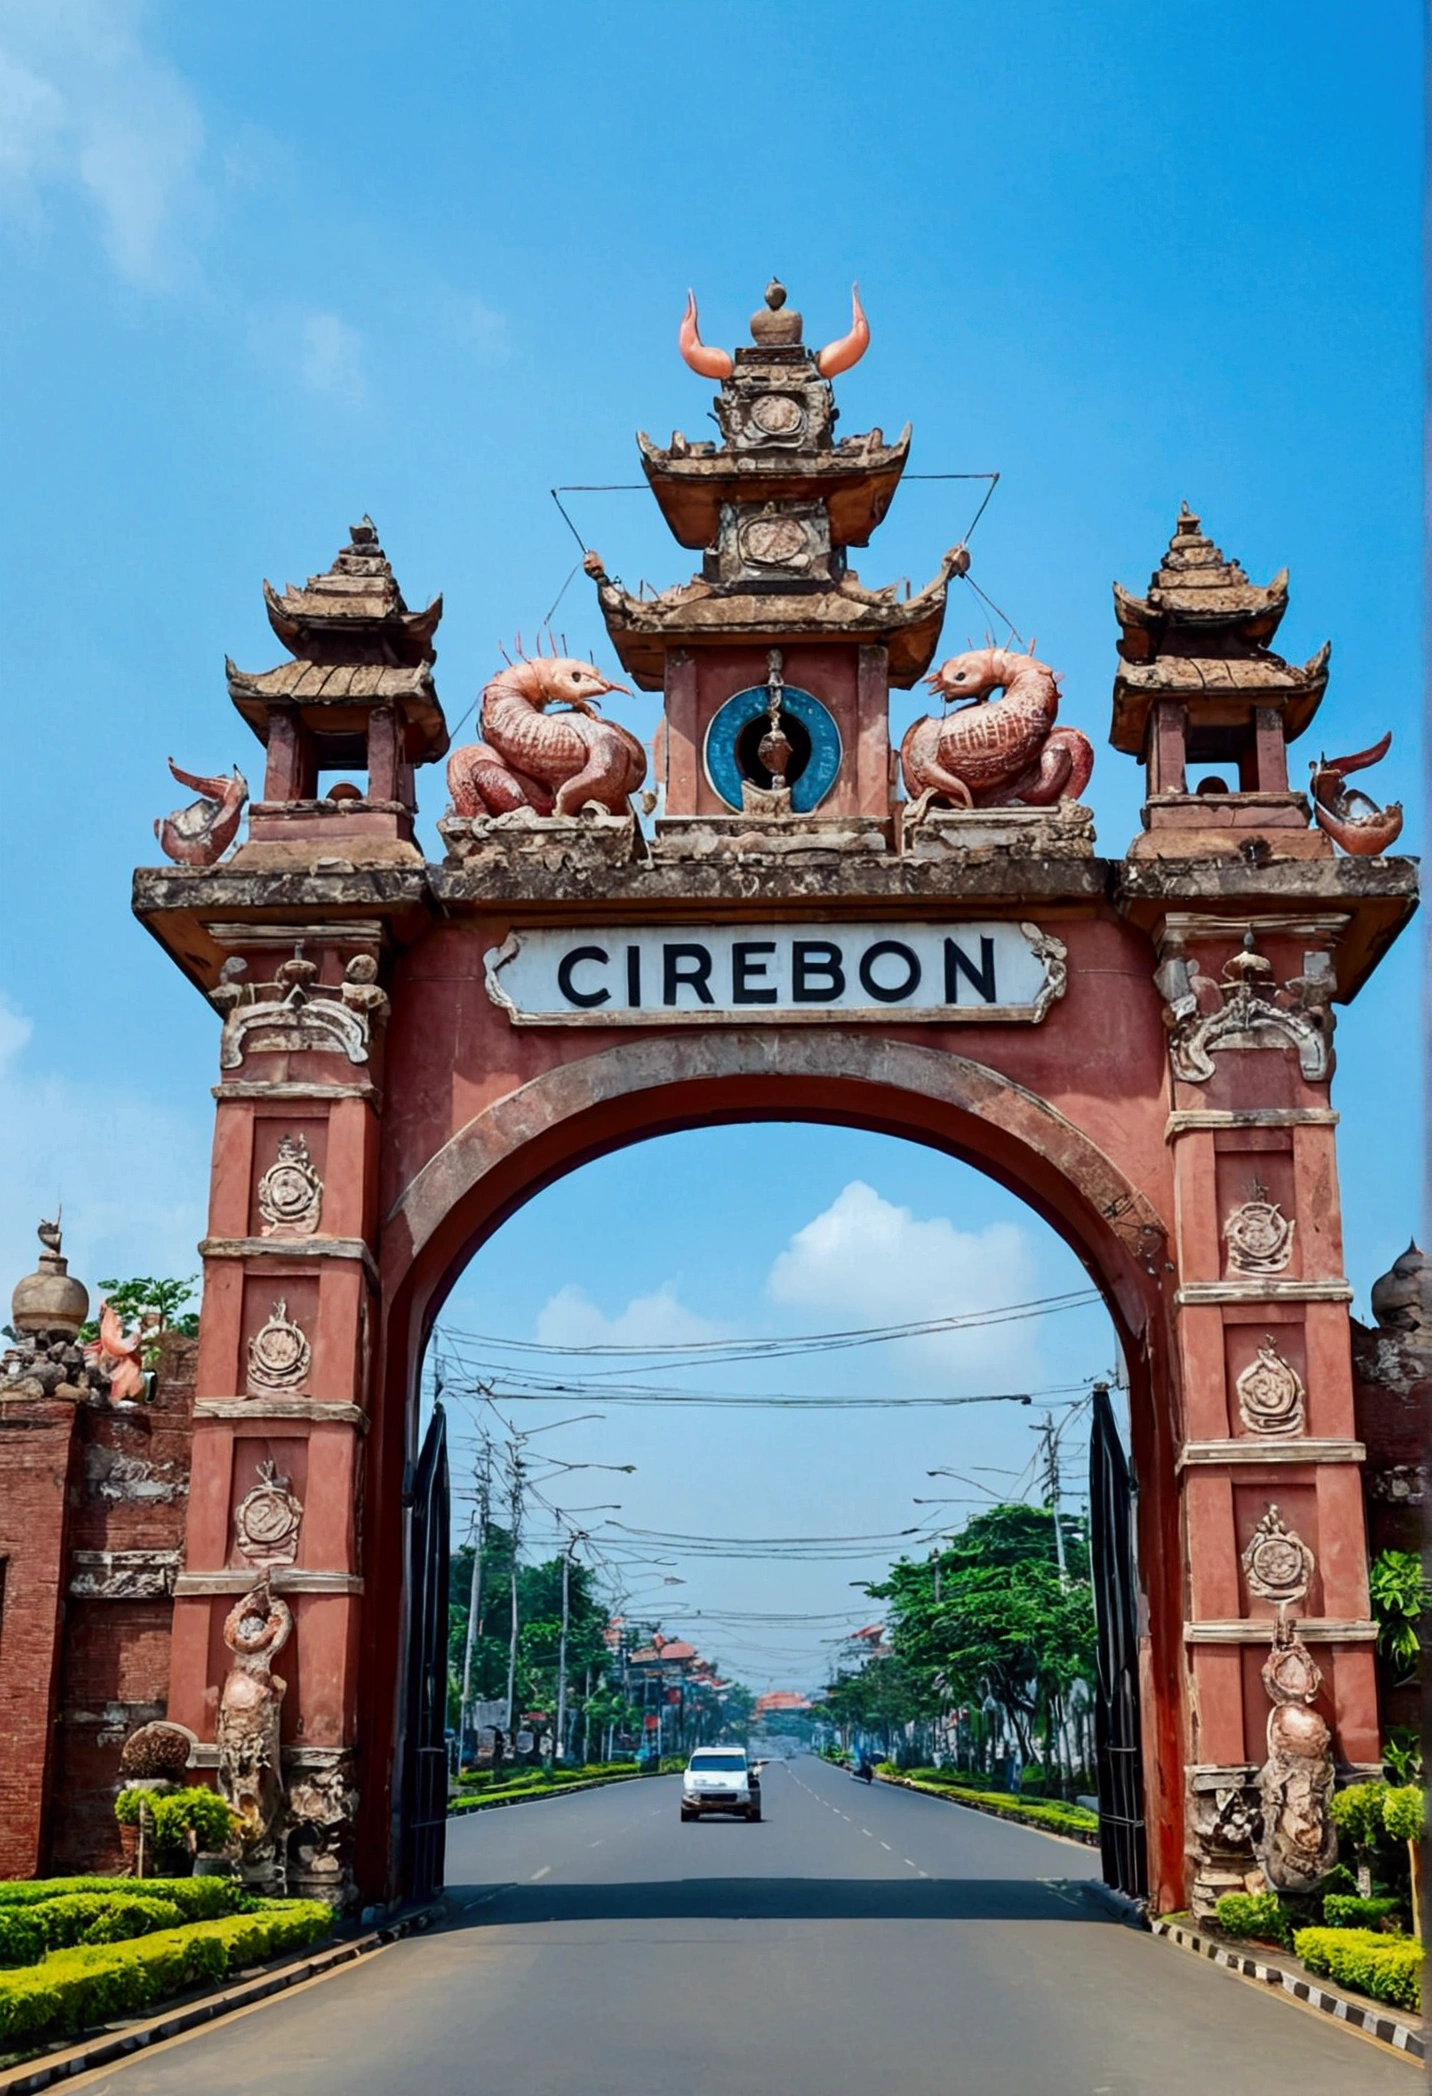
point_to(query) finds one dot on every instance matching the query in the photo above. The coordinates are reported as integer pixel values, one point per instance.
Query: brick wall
(1392, 1405)
(37, 1462)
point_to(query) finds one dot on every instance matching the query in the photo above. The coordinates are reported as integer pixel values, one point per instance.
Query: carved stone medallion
(1277, 1563)
(1270, 1394)
(290, 1193)
(774, 541)
(279, 1355)
(777, 415)
(1259, 1237)
(267, 1520)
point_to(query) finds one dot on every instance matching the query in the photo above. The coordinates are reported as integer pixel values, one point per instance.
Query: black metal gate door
(1122, 1843)
(425, 1715)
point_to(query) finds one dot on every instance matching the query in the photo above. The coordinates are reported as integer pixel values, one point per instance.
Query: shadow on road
(773, 1899)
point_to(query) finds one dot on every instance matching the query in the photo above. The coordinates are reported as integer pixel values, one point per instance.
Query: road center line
(886, 1846)
(542, 1873)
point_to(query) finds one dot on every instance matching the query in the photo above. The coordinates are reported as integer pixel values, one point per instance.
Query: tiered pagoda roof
(1201, 636)
(774, 505)
(355, 646)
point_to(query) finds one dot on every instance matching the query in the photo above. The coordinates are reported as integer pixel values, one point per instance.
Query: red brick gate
(1139, 1046)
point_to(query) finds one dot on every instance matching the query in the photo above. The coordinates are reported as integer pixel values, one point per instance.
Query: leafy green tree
(1399, 1600)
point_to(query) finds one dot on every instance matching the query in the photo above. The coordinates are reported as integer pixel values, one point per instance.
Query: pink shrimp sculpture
(555, 764)
(997, 755)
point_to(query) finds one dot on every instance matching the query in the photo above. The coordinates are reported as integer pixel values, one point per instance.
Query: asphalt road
(857, 1940)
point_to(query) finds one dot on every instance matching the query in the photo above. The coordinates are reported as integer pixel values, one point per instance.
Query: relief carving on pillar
(267, 1520)
(1298, 1843)
(321, 1805)
(1270, 1393)
(1258, 1235)
(1246, 1008)
(256, 1630)
(287, 1015)
(290, 1192)
(279, 1356)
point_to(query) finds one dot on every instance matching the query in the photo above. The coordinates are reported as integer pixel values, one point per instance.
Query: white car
(721, 1779)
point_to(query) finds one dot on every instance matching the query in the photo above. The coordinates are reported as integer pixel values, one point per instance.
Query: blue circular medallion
(729, 760)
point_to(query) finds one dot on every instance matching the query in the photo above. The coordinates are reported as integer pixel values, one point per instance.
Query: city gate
(1140, 1046)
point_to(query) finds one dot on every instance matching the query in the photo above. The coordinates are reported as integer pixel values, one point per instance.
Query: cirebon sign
(694, 974)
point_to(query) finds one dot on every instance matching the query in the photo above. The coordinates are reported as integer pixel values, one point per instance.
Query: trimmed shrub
(72, 1989)
(198, 1899)
(1074, 1820)
(1258, 1915)
(1403, 1811)
(1343, 1910)
(1389, 1968)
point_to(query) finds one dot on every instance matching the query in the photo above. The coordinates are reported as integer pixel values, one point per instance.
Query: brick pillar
(37, 1461)
(283, 1381)
(1253, 1151)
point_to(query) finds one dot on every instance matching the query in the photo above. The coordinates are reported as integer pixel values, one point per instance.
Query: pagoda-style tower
(1198, 684)
(358, 696)
(776, 623)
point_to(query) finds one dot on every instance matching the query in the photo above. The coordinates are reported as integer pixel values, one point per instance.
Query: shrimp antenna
(1030, 649)
(565, 649)
(517, 643)
(504, 654)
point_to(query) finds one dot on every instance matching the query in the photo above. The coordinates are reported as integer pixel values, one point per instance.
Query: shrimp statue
(200, 834)
(1349, 817)
(554, 764)
(998, 755)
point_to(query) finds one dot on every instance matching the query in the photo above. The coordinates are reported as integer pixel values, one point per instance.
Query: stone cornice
(323, 1411)
(1309, 1449)
(1250, 1630)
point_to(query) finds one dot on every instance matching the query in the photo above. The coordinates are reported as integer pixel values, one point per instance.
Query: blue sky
(269, 267)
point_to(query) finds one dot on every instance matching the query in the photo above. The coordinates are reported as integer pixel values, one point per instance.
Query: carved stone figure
(1245, 1008)
(267, 1520)
(157, 1750)
(552, 763)
(1348, 816)
(200, 834)
(994, 755)
(1402, 1297)
(1224, 1823)
(1270, 1393)
(290, 1192)
(1299, 1841)
(288, 1015)
(1277, 1563)
(321, 1805)
(118, 1356)
(1259, 1236)
(256, 1630)
(279, 1355)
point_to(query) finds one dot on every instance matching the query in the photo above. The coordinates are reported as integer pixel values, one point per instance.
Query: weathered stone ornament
(47, 1309)
(1277, 1563)
(321, 1806)
(287, 1016)
(1349, 817)
(555, 764)
(279, 1355)
(1259, 1236)
(988, 756)
(1245, 1008)
(267, 1520)
(256, 1630)
(290, 1192)
(1270, 1394)
(1299, 1841)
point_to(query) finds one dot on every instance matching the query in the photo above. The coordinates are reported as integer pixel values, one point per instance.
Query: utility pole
(1049, 1438)
(482, 1474)
(515, 1461)
(562, 1644)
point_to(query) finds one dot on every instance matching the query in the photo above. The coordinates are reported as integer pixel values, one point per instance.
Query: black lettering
(583, 999)
(747, 970)
(634, 976)
(686, 967)
(958, 962)
(902, 952)
(812, 959)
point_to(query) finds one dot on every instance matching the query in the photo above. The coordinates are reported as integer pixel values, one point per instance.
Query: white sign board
(705, 974)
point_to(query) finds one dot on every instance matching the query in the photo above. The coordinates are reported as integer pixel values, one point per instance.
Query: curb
(1088, 1836)
(105, 2048)
(459, 1810)
(1376, 2022)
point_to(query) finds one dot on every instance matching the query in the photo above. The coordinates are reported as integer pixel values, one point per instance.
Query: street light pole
(474, 1599)
(516, 1505)
(562, 1648)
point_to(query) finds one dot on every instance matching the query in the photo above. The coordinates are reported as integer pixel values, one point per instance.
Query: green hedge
(70, 1990)
(1346, 1910)
(1389, 1968)
(1403, 1812)
(1258, 1915)
(1075, 1820)
(534, 1786)
(198, 1899)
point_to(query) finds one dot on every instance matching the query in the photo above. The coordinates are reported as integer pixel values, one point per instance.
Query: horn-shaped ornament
(840, 356)
(707, 363)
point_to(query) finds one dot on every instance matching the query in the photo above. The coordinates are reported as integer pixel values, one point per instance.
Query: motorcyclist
(865, 1768)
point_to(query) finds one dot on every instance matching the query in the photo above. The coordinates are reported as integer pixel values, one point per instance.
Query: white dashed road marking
(542, 1873)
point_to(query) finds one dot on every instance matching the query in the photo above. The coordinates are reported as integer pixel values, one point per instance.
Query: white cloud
(133, 1177)
(331, 359)
(86, 107)
(571, 1318)
(867, 1261)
